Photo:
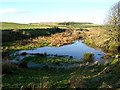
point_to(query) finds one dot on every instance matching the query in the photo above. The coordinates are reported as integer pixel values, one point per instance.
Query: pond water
(76, 50)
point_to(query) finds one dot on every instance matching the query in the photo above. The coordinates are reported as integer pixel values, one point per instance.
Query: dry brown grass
(96, 37)
(58, 39)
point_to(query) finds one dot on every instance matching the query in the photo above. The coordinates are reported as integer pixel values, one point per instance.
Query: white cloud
(12, 10)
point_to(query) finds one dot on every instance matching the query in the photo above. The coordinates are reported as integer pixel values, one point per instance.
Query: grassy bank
(13, 35)
(94, 76)
(98, 76)
(100, 39)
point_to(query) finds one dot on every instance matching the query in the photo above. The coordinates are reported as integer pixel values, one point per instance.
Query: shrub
(23, 53)
(23, 64)
(8, 68)
(88, 57)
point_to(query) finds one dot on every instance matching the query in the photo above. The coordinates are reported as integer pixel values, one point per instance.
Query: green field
(10, 26)
(85, 26)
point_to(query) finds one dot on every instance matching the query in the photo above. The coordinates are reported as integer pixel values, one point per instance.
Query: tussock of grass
(88, 57)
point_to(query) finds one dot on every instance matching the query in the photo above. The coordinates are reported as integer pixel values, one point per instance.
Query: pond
(76, 50)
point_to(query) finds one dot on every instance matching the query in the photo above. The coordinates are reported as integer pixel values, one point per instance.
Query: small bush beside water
(22, 64)
(88, 57)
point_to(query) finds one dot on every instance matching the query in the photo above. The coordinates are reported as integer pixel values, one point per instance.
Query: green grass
(10, 26)
(53, 60)
(85, 26)
(36, 77)
(72, 78)
(97, 76)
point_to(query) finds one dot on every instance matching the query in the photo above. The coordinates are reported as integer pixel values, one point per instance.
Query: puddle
(75, 50)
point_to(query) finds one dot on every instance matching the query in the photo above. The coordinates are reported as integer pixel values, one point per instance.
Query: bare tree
(113, 22)
(114, 15)
(113, 26)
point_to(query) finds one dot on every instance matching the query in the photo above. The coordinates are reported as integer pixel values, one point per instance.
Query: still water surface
(76, 50)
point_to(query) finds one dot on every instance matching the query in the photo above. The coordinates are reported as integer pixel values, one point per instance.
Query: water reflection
(76, 50)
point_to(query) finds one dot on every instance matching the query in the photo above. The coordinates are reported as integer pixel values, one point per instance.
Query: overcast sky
(35, 11)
